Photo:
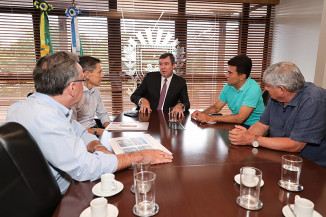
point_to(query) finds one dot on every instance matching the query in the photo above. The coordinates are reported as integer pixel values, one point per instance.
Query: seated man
(71, 151)
(91, 102)
(161, 90)
(295, 116)
(241, 93)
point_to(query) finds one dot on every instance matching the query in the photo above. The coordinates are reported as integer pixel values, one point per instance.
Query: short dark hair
(54, 72)
(165, 55)
(243, 64)
(88, 63)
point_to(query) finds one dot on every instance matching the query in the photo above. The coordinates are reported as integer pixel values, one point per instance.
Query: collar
(168, 79)
(49, 100)
(243, 86)
(295, 100)
(85, 89)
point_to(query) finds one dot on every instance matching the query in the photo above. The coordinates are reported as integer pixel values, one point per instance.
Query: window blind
(205, 33)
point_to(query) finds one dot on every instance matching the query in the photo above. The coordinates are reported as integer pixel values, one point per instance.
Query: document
(128, 126)
(122, 145)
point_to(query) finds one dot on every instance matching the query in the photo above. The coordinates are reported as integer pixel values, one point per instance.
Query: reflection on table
(200, 180)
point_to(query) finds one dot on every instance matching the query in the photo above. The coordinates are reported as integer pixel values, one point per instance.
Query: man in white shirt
(72, 152)
(91, 103)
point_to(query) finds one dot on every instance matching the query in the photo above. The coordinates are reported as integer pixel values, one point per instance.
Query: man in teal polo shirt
(242, 94)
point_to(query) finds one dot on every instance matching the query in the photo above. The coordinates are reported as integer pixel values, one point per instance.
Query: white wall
(296, 34)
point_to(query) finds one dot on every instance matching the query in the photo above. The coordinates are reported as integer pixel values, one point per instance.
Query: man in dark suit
(161, 90)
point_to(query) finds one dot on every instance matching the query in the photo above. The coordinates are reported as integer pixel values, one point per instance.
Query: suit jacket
(150, 89)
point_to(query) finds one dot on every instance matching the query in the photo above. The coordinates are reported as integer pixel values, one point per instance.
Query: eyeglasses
(81, 80)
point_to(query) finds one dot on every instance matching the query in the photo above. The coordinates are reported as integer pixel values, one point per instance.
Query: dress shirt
(303, 119)
(168, 81)
(62, 141)
(249, 95)
(90, 104)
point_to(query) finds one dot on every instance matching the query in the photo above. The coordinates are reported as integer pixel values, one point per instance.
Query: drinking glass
(139, 164)
(250, 179)
(172, 116)
(145, 194)
(290, 173)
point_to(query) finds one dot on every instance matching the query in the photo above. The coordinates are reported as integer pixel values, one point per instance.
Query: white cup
(248, 176)
(99, 207)
(303, 207)
(108, 183)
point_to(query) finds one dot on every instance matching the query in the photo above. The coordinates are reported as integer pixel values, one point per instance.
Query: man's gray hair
(286, 74)
(54, 72)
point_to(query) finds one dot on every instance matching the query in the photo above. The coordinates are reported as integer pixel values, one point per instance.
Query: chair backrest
(266, 97)
(27, 186)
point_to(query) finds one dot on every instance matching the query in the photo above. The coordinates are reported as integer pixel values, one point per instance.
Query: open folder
(122, 145)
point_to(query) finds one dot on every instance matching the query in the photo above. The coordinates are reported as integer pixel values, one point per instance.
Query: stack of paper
(127, 126)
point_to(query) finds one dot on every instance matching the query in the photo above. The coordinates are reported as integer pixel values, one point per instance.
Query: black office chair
(266, 97)
(27, 186)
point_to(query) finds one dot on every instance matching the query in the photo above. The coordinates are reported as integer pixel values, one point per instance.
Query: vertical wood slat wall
(210, 32)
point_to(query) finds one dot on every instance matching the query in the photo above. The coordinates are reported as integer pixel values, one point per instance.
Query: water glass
(290, 173)
(140, 164)
(172, 116)
(145, 194)
(250, 179)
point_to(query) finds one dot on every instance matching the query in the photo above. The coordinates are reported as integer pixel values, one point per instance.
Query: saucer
(112, 211)
(98, 191)
(156, 208)
(293, 187)
(237, 180)
(287, 212)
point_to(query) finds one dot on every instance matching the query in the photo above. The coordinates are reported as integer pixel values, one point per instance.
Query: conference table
(200, 180)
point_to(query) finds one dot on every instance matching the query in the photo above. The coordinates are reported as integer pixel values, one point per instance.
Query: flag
(46, 45)
(76, 46)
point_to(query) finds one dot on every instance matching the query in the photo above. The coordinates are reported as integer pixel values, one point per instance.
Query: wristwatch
(182, 106)
(255, 143)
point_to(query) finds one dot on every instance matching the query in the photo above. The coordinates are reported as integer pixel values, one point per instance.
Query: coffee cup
(108, 182)
(303, 207)
(99, 207)
(248, 177)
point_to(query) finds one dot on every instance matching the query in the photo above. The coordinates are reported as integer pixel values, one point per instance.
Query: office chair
(266, 97)
(27, 186)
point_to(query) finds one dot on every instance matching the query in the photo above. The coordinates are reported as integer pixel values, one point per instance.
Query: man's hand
(203, 118)
(145, 106)
(195, 114)
(240, 136)
(177, 111)
(106, 124)
(157, 156)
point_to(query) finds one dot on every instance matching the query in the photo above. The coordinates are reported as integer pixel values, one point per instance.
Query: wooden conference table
(200, 180)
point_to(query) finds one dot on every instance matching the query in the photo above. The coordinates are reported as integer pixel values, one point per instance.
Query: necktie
(162, 96)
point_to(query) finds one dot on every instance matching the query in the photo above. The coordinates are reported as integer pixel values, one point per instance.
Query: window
(206, 34)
